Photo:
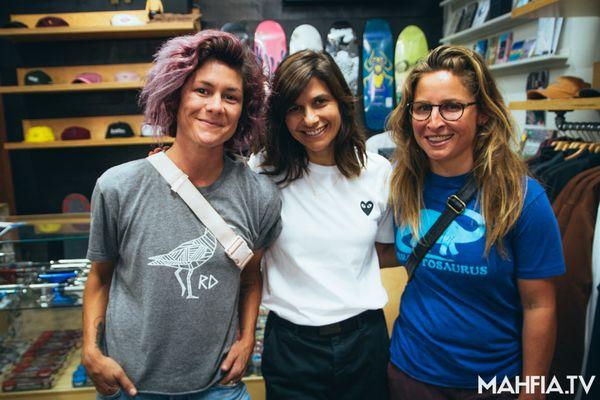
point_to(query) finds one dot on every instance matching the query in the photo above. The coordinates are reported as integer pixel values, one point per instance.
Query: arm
(538, 298)
(108, 376)
(236, 362)
(386, 252)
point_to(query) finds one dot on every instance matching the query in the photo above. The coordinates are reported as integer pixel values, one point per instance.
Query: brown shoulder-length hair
(283, 155)
(498, 171)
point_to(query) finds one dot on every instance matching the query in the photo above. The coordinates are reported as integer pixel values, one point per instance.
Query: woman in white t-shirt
(326, 335)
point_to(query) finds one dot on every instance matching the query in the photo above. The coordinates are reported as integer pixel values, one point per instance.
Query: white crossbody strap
(235, 246)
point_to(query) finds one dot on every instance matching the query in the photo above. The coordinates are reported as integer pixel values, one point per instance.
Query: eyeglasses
(450, 111)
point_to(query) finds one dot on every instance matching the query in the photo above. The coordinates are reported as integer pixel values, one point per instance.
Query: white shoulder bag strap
(235, 246)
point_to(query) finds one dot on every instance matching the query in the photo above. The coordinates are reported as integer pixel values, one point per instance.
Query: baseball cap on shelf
(564, 87)
(151, 130)
(127, 76)
(119, 130)
(50, 22)
(14, 24)
(37, 77)
(126, 20)
(75, 133)
(589, 92)
(87, 77)
(39, 134)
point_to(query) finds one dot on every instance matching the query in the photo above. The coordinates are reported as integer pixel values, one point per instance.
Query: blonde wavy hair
(498, 171)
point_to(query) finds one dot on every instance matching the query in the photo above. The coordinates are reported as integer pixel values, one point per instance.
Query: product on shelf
(37, 77)
(564, 87)
(126, 20)
(75, 133)
(39, 134)
(50, 22)
(119, 130)
(80, 377)
(88, 77)
(38, 366)
(127, 76)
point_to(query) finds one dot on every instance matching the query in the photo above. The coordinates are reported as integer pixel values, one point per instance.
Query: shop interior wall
(42, 178)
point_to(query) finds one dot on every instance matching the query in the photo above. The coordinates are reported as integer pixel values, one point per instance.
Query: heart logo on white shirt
(366, 207)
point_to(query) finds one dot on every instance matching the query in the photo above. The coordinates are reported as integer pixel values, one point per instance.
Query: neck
(202, 165)
(450, 169)
(321, 158)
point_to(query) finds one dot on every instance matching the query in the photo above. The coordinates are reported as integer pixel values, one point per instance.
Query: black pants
(344, 361)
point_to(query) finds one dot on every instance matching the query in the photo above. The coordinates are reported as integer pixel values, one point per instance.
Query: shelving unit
(592, 103)
(558, 8)
(96, 25)
(531, 63)
(63, 76)
(502, 23)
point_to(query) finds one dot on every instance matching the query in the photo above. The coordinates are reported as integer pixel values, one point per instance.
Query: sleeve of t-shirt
(103, 242)
(385, 228)
(537, 246)
(270, 222)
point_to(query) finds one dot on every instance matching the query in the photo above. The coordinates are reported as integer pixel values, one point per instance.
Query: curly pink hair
(179, 57)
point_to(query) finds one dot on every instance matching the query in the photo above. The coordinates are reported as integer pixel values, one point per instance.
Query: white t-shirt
(323, 268)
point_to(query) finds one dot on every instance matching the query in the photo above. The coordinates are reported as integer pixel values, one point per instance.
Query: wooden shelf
(71, 87)
(95, 25)
(131, 141)
(527, 64)
(488, 28)
(64, 75)
(66, 218)
(558, 8)
(591, 103)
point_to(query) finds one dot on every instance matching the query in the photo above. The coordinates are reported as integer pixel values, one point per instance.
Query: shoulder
(377, 163)
(534, 191)
(259, 184)
(115, 177)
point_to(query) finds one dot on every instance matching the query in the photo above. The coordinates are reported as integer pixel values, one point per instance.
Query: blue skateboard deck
(378, 73)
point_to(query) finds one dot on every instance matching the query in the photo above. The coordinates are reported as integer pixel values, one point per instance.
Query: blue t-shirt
(461, 315)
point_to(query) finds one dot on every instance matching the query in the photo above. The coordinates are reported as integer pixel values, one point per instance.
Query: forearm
(539, 335)
(386, 253)
(95, 300)
(250, 296)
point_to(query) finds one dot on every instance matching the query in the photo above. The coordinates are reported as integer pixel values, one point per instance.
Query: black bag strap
(455, 206)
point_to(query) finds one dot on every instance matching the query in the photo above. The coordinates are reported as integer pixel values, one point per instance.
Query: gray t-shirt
(172, 312)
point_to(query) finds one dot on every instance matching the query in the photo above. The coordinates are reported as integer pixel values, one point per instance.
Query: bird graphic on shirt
(188, 256)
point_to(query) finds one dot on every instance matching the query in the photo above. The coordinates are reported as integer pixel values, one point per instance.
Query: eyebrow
(229, 89)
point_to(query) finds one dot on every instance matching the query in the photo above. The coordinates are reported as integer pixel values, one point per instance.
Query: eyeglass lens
(450, 111)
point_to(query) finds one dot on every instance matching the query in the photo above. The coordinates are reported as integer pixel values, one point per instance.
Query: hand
(158, 149)
(107, 374)
(236, 362)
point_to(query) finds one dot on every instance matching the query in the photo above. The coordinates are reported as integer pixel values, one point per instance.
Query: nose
(310, 117)
(435, 119)
(214, 104)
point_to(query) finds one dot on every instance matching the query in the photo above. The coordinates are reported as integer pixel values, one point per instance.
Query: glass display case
(43, 271)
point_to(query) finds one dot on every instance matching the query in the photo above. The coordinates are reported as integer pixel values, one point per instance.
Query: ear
(482, 119)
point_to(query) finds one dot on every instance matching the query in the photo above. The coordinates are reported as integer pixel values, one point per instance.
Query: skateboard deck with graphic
(342, 45)
(378, 73)
(411, 47)
(305, 37)
(269, 45)
(239, 30)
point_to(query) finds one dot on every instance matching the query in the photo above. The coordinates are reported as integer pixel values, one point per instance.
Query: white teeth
(439, 138)
(315, 132)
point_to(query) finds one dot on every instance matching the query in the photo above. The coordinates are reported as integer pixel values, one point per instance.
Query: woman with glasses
(480, 302)
(326, 336)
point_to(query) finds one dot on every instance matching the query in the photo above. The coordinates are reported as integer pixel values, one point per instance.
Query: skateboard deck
(239, 30)
(305, 37)
(269, 45)
(411, 47)
(378, 78)
(342, 45)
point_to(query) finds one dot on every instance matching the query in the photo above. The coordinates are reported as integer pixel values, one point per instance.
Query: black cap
(119, 130)
(37, 77)
(14, 24)
(589, 92)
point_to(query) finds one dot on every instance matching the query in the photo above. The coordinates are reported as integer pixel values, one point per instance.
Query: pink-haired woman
(166, 312)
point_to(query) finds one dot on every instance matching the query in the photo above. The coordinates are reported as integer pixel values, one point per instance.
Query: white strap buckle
(239, 252)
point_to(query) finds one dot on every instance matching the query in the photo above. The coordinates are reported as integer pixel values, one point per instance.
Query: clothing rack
(589, 131)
